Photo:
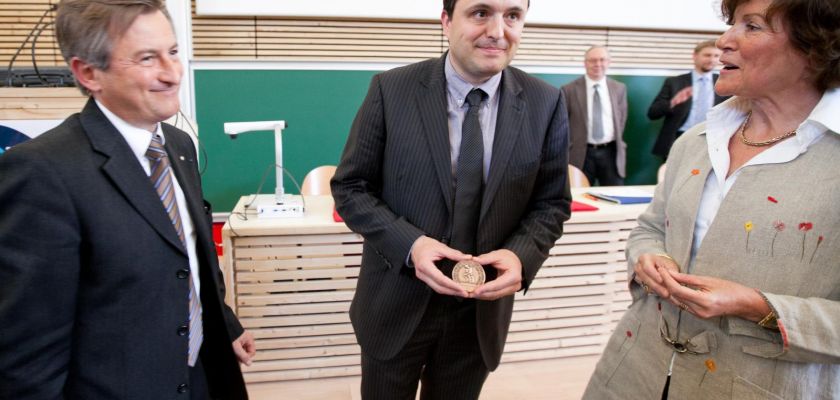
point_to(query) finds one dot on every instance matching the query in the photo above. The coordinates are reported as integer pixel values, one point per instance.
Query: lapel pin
(181, 157)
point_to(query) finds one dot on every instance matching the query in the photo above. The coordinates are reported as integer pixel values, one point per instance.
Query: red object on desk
(336, 217)
(578, 206)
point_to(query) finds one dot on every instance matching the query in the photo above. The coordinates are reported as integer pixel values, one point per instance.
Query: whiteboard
(692, 15)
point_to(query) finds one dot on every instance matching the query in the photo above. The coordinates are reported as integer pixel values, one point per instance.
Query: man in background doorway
(685, 99)
(597, 115)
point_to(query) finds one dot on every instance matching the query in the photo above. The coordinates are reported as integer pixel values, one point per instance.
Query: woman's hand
(647, 272)
(708, 297)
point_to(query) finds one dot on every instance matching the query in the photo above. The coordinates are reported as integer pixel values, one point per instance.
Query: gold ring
(646, 288)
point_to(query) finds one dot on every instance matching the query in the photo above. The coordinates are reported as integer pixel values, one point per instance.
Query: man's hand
(681, 97)
(648, 276)
(244, 347)
(424, 253)
(508, 280)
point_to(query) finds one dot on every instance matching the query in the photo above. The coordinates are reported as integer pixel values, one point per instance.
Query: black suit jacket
(394, 184)
(91, 298)
(674, 117)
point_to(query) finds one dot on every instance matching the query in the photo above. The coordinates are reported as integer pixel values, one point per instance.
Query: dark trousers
(443, 354)
(599, 165)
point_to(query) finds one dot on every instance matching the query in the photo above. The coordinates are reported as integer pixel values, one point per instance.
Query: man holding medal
(456, 159)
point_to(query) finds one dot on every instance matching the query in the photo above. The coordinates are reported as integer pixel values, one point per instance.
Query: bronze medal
(469, 274)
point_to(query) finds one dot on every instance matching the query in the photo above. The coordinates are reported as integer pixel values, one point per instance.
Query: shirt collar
(458, 88)
(825, 113)
(138, 139)
(695, 76)
(725, 119)
(590, 82)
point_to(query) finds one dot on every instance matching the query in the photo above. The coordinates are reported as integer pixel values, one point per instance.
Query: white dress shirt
(606, 110)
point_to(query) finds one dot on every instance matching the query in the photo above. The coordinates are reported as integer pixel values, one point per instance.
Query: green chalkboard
(319, 107)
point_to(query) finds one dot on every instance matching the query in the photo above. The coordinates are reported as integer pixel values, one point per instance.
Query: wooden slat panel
(302, 331)
(294, 263)
(244, 299)
(295, 251)
(310, 373)
(17, 19)
(288, 39)
(40, 103)
(309, 341)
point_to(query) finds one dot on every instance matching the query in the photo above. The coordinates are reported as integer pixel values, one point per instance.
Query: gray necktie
(161, 177)
(597, 116)
(469, 178)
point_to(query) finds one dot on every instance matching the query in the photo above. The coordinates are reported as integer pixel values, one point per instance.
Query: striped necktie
(161, 177)
(469, 177)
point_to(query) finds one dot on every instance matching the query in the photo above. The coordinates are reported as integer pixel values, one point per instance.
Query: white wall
(702, 15)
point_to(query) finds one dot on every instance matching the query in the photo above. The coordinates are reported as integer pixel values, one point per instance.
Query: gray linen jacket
(797, 267)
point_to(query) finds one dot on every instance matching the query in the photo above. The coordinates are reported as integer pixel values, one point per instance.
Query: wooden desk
(291, 282)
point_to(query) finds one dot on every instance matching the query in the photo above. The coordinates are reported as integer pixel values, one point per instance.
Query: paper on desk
(622, 195)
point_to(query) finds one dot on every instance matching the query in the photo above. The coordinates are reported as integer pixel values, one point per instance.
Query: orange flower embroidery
(748, 226)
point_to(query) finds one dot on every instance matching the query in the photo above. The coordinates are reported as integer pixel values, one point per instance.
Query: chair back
(577, 178)
(317, 181)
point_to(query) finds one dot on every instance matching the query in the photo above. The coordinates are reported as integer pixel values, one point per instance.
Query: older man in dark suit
(597, 115)
(450, 159)
(109, 281)
(685, 99)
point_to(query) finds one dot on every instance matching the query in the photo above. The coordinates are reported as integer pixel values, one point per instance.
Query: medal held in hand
(469, 274)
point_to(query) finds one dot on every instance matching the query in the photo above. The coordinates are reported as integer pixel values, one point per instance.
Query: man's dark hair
(449, 6)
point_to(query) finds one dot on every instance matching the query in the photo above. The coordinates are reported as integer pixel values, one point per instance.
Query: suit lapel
(690, 184)
(183, 165)
(431, 101)
(613, 88)
(125, 172)
(580, 98)
(687, 82)
(509, 123)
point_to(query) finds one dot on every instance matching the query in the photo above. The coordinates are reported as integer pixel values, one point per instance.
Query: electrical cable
(51, 8)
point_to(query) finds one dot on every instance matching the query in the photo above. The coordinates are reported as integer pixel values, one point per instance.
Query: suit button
(183, 273)
(183, 330)
(182, 388)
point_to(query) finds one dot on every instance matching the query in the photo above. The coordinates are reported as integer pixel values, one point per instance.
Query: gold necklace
(748, 142)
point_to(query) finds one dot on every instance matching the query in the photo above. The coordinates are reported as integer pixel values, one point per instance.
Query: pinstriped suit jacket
(394, 184)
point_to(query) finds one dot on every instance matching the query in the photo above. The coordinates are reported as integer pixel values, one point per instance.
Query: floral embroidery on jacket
(748, 226)
(819, 241)
(778, 226)
(804, 227)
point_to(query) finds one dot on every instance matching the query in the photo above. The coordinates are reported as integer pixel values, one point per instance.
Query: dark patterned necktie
(469, 178)
(161, 176)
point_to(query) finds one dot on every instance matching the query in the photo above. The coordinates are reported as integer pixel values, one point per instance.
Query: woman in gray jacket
(735, 266)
